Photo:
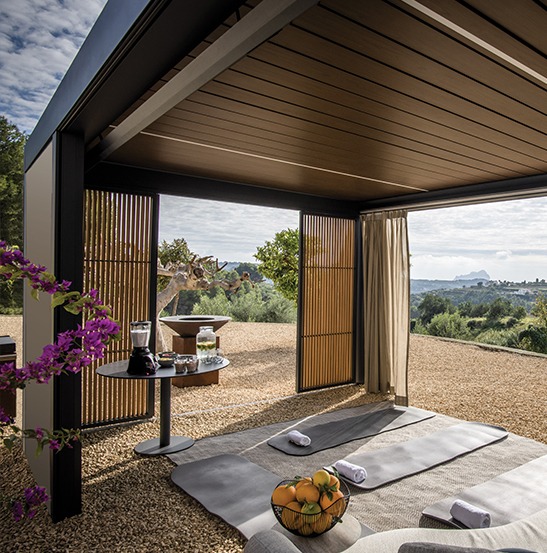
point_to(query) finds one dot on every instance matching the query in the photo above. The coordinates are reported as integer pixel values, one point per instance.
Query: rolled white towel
(355, 473)
(470, 515)
(298, 438)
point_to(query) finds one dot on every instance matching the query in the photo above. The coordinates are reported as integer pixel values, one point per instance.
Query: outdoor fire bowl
(188, 325)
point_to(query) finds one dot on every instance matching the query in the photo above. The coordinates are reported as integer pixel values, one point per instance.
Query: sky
(506, 239)
(38, 41)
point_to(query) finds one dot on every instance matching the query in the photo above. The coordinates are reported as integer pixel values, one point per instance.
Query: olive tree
(278, 261)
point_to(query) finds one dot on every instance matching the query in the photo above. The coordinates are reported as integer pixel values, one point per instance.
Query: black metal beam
(66, 471)
(111, 176)
(132, 45)
(509, 189)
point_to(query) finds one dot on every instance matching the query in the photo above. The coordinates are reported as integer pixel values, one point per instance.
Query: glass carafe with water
(206, 343)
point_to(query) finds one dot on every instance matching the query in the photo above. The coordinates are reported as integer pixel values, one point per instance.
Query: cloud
(505, 254)
(442, 267)
(494, 226)
(231, 232)
(508, 239)
(38, 41)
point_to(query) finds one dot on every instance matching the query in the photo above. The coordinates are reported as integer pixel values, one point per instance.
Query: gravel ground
(129, 502)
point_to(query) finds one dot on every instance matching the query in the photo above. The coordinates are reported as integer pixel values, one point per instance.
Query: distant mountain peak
(482, 274)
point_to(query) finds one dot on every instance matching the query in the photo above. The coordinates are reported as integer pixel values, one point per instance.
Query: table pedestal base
(152, 447)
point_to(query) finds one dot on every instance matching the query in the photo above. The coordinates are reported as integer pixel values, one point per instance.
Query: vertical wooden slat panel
(118, 228)
(326, 328)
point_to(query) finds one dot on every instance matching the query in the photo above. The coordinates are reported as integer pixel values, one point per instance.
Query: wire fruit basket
(306, 519)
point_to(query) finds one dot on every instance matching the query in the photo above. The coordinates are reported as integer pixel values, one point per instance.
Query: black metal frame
(66, 474)
(112, 176)
(130, 47)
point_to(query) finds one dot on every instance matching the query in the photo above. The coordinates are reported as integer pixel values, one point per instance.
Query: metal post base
(152, 447)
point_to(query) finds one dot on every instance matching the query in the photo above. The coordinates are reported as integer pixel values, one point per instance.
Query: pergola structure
(330, 107)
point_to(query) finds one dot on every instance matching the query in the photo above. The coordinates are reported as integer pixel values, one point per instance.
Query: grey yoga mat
(413, 456)
(239, 492)
(334, 433)
(218, 483)
(508, 497)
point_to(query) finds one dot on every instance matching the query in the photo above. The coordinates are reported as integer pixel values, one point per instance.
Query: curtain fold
(386, 298)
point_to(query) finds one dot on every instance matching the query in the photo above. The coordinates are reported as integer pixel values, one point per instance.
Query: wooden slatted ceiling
(517, 26)
(382, 98)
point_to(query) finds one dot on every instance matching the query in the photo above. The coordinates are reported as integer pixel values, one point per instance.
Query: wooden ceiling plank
(525, 19)
(432, 39)
(392, 103)
(260, 23)
(517, 28)
(166, 155)
(312, 96)
(364, 164)
(290, 140)
(369, 70)
(334, 150)
(385, 169)
(334, 129)
(464, 76)
(390, 119)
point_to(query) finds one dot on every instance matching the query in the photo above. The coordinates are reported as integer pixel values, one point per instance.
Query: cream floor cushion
(529, 533)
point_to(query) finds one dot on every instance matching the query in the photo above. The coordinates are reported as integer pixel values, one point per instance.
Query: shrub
(417, 327)
(277, 310)
(533, 338)
(505, 338)
(219, 305)
(246, 307)
(433, 305)
(449, 325)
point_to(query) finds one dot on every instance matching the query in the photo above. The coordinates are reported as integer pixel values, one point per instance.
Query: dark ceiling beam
(510, 189)
(132, 44)
(477, 41)
(260, 24)
(122, 178)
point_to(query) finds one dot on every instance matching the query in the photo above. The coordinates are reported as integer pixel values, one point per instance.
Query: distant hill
(419, 286)
(474, 275)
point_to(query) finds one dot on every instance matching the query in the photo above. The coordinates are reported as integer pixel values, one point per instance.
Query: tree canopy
(278, 261)
(12, 144)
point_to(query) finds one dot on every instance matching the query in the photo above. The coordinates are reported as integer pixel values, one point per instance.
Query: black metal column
(66, 479)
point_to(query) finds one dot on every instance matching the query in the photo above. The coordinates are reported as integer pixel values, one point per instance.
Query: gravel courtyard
(125, 496)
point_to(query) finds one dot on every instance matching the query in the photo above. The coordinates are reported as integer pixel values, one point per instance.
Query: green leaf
(34, 293)
(61, 297)
(72, 308)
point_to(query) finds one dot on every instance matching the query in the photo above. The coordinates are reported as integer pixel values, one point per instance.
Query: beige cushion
(419, 547)
(529, 533)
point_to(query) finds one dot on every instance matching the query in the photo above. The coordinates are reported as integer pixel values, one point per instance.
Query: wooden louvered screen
(118, 230)
(327, 296)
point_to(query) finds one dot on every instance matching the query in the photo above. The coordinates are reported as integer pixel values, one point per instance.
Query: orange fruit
(334, 505)
(322, 524)
(334, 482)
(305, 530)
(305, 480)
(321, 478)
(291, 517)
(311, 512)
(307, 493)
(283, 495)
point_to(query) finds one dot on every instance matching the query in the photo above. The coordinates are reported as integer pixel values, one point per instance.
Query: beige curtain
(386, 303)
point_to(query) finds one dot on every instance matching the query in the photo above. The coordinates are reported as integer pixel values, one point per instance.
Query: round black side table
(165, 443)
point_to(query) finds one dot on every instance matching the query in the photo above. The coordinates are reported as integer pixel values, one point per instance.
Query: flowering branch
(26, 506)
(70, 353)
